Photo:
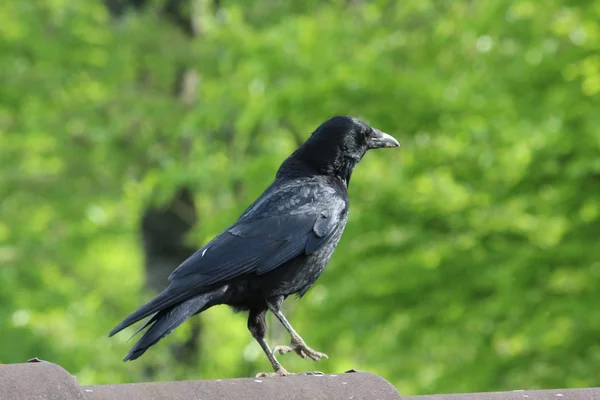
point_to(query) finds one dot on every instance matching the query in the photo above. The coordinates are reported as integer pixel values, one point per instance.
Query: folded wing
(251, 246)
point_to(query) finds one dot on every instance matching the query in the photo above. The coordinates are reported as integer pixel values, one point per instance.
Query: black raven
(278, 247)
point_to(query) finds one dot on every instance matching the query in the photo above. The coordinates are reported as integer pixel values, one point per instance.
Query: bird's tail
(165, 300)
(164, 321)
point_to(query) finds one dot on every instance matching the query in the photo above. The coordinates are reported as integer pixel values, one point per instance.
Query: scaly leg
(297, 344)
(257, 326)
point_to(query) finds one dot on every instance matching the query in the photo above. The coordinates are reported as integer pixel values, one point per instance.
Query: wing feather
(259, 245)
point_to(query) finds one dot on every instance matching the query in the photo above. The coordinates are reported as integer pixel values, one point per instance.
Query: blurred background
(133, 131)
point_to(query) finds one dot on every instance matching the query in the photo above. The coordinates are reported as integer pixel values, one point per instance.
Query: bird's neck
(340, 168)
(344, 170)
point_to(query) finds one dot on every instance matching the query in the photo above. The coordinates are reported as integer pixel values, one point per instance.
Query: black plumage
(278, 247)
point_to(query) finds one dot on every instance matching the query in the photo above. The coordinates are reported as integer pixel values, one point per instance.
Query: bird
(278, 247)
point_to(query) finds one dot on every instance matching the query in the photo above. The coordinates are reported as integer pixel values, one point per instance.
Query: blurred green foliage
(471, 258)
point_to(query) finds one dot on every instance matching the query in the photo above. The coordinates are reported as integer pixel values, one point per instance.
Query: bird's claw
(280, 372)
(287, 373)
(301, 349)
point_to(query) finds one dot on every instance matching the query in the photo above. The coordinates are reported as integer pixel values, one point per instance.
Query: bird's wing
(289, 219)
(258, 245)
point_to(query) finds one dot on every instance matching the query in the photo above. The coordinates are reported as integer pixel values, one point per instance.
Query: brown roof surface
(558, 394)
(47, 381)
(40, 381)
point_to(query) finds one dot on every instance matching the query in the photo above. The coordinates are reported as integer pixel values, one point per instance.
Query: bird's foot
(312, 373)
(279, 372)
(284, 372)
(301, 349)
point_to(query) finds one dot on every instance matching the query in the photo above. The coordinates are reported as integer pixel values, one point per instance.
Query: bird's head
(335, 148)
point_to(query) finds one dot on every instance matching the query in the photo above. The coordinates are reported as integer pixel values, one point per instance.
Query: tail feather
(163, 301)
(146, 324)
(163, 323)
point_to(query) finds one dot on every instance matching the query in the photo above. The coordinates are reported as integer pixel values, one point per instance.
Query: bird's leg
(297, 343)
(257, 326)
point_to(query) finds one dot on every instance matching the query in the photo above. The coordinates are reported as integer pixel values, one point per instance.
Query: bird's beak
(379, 139)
